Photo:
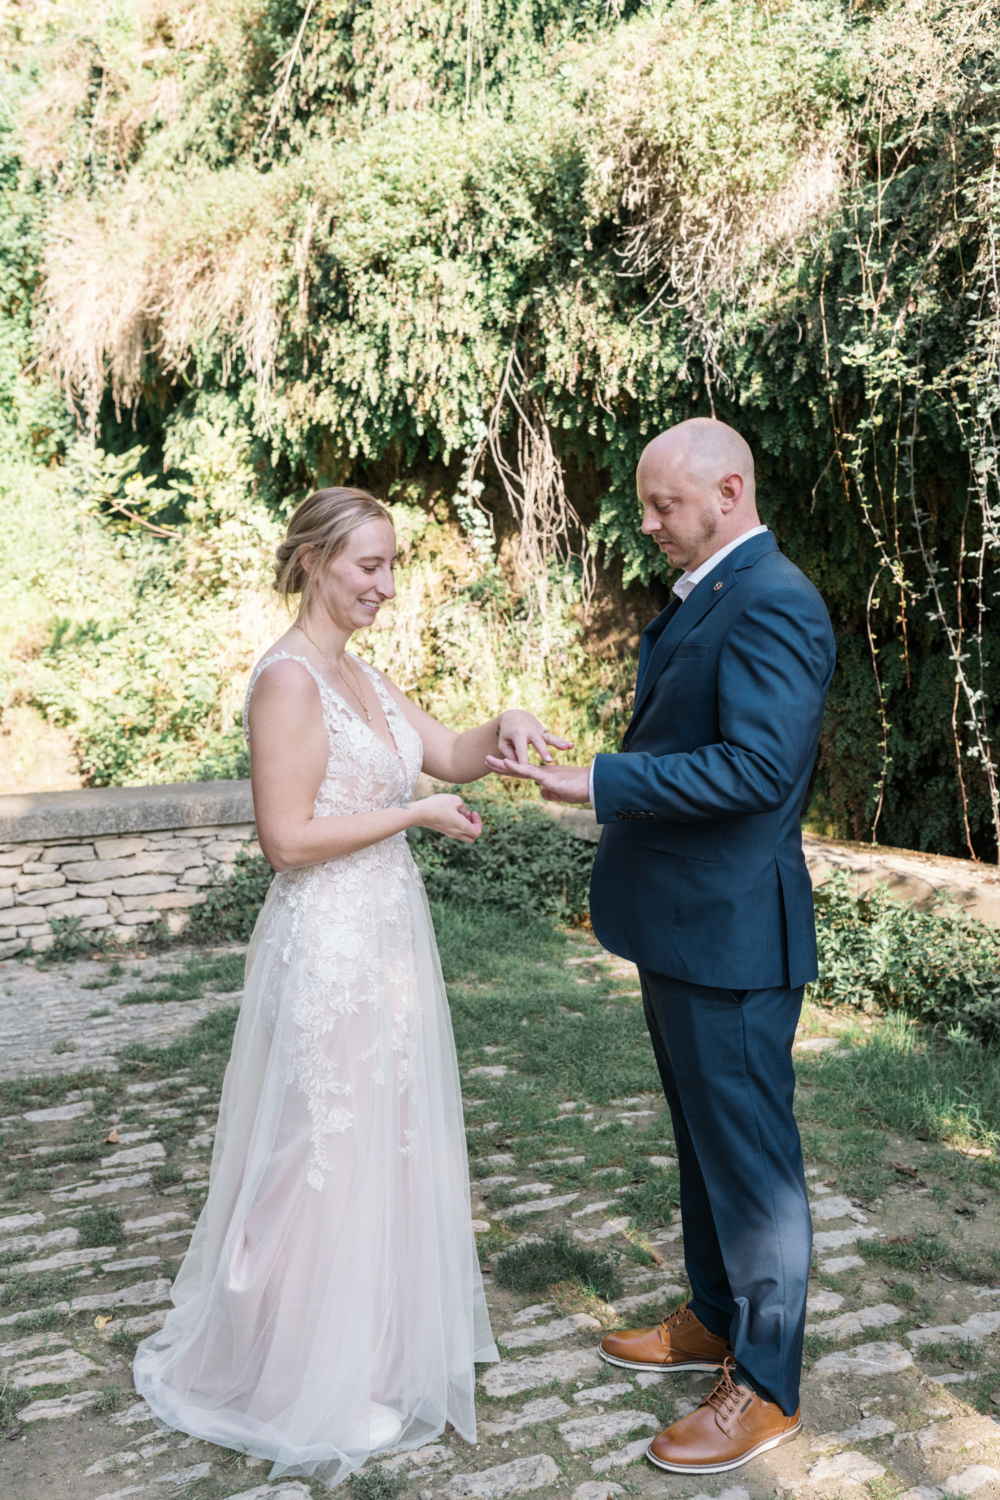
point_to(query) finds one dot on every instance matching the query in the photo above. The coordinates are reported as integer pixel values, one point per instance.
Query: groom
(700, 880)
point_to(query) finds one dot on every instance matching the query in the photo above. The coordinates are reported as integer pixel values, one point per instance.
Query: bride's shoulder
(280, 670)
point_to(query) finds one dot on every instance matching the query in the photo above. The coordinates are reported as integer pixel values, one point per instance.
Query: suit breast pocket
(689, 652)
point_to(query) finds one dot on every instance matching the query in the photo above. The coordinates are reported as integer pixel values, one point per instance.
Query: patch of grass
(813, 1346)
(913, 1080)
(984, 1392)
(204, 1050)
(83, 1151)
(11, 1401)
(41, 1092)
(109, 1400)
(36, 1288)
(557, 1257)
(220, 974)
(909, 1252)
(165, 1174)
(886, 1488)
(496, 1238)
(112, 974)
(123, 1342)
(509, 987)
(649, 1203)
(937, 1354)
(375, 1482)
(901, 1293)
(64, 1044)
(100, 1226)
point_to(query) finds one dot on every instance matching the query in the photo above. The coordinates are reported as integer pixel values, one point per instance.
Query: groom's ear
(730, 492)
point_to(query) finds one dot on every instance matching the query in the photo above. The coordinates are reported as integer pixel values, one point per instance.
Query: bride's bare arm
(288, 758)
(461, 757)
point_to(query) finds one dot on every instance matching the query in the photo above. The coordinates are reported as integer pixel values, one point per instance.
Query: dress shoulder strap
(324, 688)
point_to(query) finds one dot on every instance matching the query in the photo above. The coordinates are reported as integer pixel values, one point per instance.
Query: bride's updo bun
(321, 526)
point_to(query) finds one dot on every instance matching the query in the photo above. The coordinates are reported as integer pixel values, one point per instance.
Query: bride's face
(358, 581)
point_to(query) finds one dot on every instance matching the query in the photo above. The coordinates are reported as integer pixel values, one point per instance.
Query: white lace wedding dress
(334, 1264)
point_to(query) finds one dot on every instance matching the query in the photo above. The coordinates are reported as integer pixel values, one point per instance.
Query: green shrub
(70, 940)
(231, 907)
(525, 861)
(877, 954)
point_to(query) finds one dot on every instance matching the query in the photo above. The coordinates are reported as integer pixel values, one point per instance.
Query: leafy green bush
(877, 954)
(525, 862)
(230, 908)
(70, 940)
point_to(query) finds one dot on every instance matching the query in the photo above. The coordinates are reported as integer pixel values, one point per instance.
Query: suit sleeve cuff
(593, 763)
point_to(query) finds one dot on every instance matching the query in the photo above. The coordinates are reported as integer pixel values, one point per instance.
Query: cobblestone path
(68, 1018)
(897, 1365)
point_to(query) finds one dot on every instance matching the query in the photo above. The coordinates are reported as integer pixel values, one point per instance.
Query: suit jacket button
(621, 816)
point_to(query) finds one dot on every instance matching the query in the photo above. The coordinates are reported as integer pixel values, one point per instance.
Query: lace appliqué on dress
(358, 914)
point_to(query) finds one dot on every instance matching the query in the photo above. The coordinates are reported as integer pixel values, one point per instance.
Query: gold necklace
(339, 670)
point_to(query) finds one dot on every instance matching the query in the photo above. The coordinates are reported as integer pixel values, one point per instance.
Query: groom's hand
(558, 783)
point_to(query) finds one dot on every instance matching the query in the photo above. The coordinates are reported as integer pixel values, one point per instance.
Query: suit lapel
(696, 606)
(652, 633)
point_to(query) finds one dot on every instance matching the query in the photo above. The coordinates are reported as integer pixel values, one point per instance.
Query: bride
(330, 1303)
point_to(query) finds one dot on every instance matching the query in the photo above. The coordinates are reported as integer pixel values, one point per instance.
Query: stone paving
(886, 1399)
(68, 1018)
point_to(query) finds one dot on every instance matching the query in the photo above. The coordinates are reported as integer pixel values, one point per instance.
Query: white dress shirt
(688, 581)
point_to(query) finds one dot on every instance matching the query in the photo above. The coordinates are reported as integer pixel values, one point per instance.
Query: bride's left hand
(518, 729)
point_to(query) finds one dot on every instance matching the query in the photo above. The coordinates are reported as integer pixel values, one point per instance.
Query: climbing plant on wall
(475, 254)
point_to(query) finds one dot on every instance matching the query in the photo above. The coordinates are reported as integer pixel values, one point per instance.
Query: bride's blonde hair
(320, 525)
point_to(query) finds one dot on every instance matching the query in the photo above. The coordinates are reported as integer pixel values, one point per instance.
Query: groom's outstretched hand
(558, 783)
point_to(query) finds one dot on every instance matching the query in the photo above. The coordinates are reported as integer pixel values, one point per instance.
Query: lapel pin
(716, 589)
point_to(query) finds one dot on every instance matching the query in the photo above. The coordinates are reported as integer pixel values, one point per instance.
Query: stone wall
(117, 858)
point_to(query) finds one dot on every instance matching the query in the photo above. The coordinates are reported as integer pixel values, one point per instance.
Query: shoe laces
(727, 1395)
(676, 1318)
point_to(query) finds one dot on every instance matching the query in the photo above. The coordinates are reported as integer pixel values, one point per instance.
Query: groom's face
(680, 511)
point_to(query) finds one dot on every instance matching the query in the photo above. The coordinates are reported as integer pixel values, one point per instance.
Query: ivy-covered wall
(474, 254)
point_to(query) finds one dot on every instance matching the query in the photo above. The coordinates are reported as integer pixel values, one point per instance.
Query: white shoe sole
(733, 1463)
(666, 1369)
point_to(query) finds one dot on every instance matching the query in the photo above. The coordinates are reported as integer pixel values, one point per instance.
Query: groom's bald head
(696, 485)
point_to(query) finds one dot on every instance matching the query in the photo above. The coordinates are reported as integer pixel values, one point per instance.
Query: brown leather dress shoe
(732, 1426)
(680, 1343)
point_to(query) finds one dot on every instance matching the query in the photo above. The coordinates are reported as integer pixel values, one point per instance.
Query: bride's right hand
(448, 814)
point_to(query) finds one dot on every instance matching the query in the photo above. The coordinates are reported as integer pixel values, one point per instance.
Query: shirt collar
(688, 581)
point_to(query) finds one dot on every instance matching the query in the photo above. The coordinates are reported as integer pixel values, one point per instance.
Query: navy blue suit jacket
(699, 873)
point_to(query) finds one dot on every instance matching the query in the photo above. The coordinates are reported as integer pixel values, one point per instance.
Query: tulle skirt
(334, 1264)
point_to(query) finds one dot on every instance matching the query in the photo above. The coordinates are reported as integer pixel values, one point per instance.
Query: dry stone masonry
(116, 858)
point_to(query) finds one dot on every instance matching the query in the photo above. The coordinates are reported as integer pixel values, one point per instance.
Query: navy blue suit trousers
(726, 1067)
